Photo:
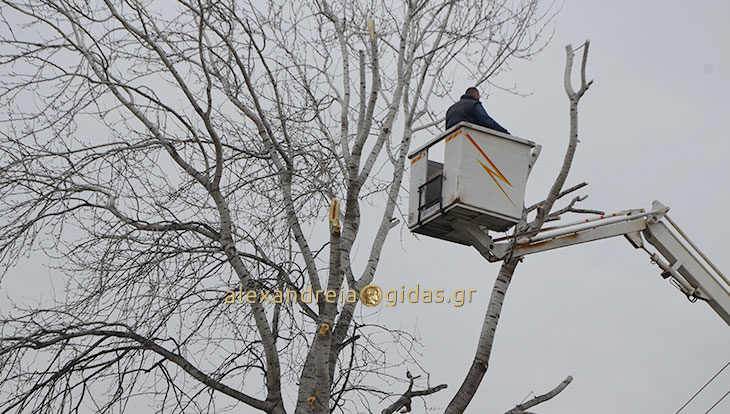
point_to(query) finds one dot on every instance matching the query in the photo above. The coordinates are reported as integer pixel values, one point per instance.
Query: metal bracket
(635, 239)
(659, 209)
(500, 251)
(478, 238)
(680, 282)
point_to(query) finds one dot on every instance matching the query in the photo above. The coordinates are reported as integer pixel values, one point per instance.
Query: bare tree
(486, 338)
(164, 154)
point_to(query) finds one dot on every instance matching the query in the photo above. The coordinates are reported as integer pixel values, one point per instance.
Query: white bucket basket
(481, 181)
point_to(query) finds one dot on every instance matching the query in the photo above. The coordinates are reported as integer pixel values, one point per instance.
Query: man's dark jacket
(469, 109)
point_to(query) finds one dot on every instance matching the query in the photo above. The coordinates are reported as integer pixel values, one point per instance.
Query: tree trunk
(484, 347)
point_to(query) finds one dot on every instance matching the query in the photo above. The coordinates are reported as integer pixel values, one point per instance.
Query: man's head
(473, 92)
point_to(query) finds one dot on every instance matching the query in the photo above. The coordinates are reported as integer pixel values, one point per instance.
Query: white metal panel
(452, 165)
(456, 127)
(419, 164)
(690, 268)
(491, 171)
(484, 179)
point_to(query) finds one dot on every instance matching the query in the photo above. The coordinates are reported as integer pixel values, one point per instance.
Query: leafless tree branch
(522, 408)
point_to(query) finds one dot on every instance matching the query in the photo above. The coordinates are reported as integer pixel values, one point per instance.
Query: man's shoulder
(466, 100)
(478, 107)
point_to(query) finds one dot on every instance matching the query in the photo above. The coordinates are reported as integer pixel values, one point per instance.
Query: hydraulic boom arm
(679, 258)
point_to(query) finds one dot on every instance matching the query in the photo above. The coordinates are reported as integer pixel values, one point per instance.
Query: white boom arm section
(679, 259)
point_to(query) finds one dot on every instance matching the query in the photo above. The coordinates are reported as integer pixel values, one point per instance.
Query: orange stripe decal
(453, 135)
(494, 173)
(421, 155)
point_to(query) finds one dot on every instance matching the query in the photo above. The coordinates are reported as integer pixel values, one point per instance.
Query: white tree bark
(480, 363)
(523, 407)
(220, 131)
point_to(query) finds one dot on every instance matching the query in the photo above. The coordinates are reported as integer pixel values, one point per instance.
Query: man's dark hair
(472, 91)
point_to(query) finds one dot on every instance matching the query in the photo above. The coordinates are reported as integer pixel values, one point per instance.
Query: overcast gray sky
(655, 125)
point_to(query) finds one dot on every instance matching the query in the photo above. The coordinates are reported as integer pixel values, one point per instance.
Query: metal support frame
(694, 278)
(577, 237)
(627, 223)
(422, 189)
(478, 238)
(690, 273)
